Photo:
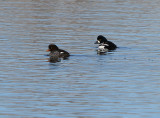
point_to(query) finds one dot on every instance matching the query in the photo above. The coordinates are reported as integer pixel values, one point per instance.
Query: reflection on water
(121, 84)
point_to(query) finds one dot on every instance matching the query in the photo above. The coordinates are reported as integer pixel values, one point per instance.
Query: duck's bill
(48, 50)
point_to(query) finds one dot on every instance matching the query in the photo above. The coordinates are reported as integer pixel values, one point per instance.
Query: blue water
(121, 84)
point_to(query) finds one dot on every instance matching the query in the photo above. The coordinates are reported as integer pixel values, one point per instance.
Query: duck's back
(63, 53)
(111, 46)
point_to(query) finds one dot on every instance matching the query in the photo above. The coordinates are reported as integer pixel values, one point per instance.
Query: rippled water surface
(121, 84)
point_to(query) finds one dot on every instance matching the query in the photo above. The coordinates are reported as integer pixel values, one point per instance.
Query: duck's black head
(52, 47)
(101, 39)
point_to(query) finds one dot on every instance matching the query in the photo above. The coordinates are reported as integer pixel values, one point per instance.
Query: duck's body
(54, 57)
(56, 54)
(102, 41)
(103, 48)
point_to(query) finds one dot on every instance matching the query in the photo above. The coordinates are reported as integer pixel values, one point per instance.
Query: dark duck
(105, 44)
(56, 54)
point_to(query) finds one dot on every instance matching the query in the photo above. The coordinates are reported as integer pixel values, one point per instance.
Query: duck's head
(101, 39)
(52, 47)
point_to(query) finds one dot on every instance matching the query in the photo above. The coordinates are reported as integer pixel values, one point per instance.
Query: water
(121, 84)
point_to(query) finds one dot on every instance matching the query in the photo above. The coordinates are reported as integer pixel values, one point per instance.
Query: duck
(56, 54)
(103, 41)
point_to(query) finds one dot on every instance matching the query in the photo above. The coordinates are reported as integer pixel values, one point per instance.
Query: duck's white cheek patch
(98, 41)
(61, 52)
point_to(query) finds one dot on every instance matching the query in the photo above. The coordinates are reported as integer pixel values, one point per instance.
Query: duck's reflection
(56, 54)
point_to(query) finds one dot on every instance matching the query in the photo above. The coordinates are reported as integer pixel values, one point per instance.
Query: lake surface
(124, 83)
